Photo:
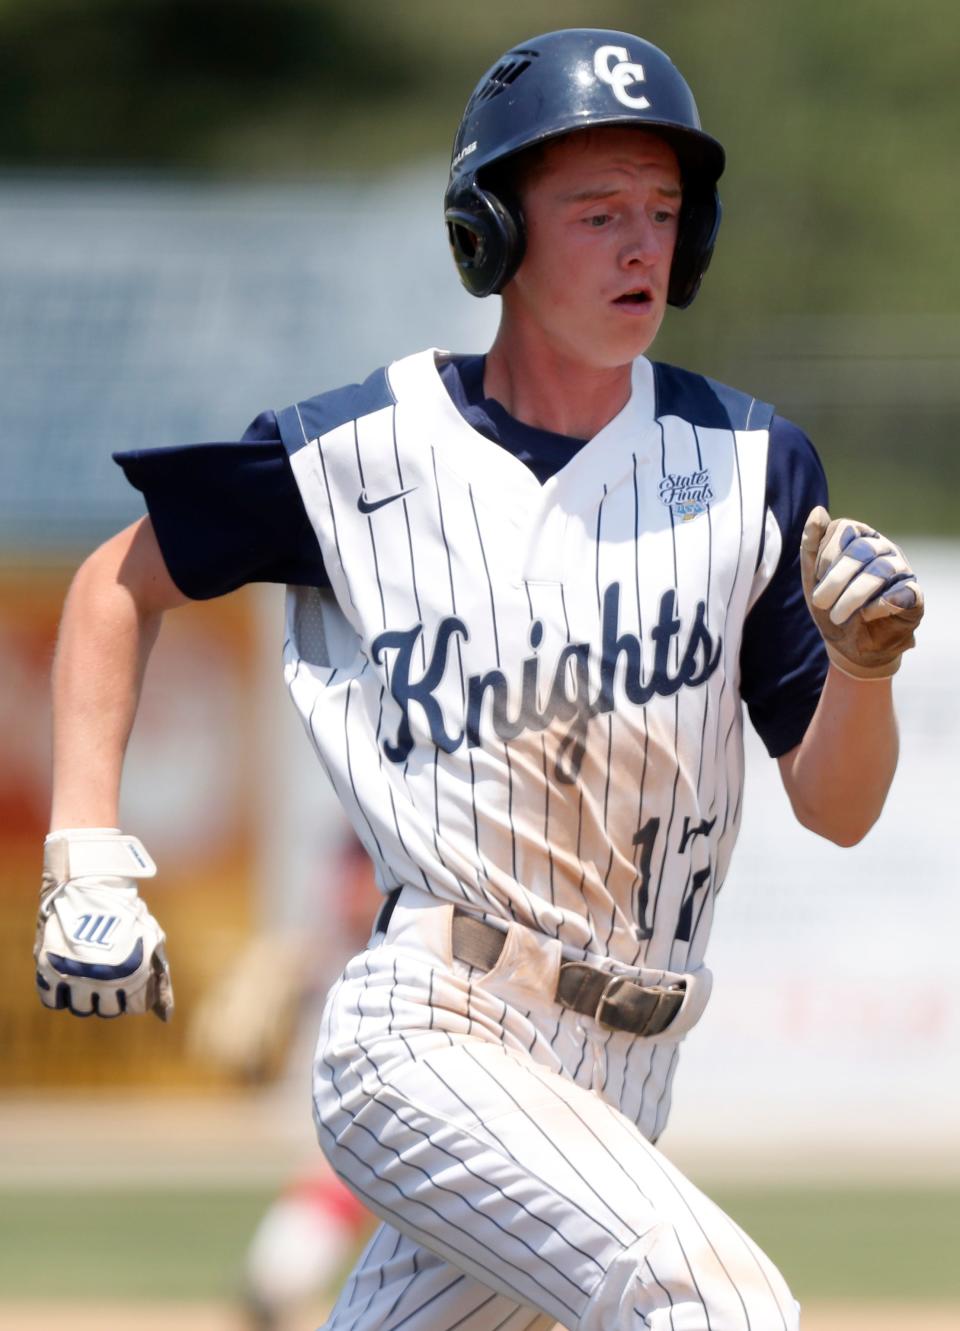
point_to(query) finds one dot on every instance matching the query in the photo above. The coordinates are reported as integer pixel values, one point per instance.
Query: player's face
(601, 211)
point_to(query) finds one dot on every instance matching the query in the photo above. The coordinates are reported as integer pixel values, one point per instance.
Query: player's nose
(643, 244)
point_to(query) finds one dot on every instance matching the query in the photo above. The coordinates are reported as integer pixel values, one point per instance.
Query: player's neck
(537, 384)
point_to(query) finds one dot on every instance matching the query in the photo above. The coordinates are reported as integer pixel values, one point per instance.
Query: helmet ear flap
(486, 238)
(699, 224)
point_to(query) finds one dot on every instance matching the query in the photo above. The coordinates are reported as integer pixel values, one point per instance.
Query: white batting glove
(99, 951)
(863, 595)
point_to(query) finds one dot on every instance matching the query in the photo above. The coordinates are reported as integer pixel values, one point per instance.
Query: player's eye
(597, 220)
(663, 215)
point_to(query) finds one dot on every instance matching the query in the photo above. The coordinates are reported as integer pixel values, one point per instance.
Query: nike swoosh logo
(366, 505)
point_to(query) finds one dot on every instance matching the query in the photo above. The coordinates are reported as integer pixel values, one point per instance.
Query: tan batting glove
(862, 594)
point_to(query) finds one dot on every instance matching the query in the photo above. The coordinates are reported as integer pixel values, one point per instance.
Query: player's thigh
(396, 1283)
(542, 1191)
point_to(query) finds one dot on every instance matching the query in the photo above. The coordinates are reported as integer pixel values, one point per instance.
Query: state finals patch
(686, 496)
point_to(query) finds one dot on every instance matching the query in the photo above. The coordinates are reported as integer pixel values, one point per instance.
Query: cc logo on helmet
(621, 76)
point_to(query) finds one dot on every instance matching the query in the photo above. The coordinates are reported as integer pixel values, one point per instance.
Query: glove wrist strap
(861, 673)
(95, 852)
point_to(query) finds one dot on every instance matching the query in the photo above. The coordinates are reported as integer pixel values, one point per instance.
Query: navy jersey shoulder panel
(227, 514)
(783, 662)
(319, 415)
(706, 402)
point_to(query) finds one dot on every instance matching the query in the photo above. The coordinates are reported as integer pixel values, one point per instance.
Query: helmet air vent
(502, 75)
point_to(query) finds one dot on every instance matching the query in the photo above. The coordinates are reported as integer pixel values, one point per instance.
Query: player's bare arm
(110, 622)
(838, 777)
(866, 602)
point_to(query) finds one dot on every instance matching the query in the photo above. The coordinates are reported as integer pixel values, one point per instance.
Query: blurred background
(209, 208)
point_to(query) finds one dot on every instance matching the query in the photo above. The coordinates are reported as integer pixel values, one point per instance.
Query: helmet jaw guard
(557, 84)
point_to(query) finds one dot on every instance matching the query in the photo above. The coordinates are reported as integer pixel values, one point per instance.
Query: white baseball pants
(515, 1194)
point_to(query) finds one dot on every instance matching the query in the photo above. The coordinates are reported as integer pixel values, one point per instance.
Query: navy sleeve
(228, 514)
(783, 662)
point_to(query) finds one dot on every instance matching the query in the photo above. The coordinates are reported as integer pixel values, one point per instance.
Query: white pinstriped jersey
(527, 696)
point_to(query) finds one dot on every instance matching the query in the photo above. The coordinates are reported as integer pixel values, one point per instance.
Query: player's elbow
(836, 803)
(844, 826)
(844, 836)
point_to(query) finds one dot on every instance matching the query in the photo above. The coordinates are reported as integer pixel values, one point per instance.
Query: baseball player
(528, 593)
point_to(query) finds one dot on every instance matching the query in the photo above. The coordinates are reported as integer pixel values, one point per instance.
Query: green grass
(125, 1243)
(179, 1244)
(856, 1243)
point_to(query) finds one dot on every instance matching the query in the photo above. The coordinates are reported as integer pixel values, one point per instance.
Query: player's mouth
(637, 300)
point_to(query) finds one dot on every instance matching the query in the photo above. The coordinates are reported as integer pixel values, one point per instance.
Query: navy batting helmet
(578, 78)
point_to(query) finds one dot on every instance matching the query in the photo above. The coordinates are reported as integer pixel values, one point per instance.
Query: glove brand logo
(686, 496)
(621, 76)
(582, 685)
(95, 929)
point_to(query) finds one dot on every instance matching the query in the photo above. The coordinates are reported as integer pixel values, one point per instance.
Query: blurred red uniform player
(300, 1246)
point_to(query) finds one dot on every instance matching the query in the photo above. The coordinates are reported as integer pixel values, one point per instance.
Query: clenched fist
(99, 951)
(863, 595)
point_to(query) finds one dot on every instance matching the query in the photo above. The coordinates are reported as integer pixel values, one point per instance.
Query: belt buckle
(643, 1010)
